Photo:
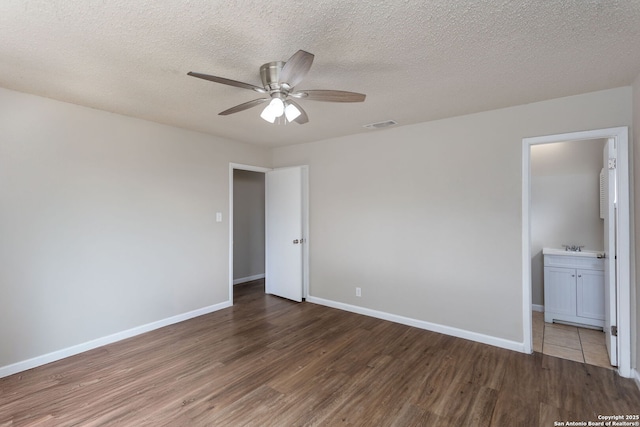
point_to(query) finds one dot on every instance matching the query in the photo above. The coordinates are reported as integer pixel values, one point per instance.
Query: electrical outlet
(358, 292)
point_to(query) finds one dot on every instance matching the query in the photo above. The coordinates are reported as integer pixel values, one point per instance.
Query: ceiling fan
(279, 80)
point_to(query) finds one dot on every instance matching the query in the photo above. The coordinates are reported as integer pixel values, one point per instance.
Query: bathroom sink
(583, 253)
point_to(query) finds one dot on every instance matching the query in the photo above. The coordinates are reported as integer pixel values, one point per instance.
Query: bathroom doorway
(566, 213)
(619, 140)
(565, 202)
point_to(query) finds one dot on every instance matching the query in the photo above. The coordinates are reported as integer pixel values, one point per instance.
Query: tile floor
(569, 342)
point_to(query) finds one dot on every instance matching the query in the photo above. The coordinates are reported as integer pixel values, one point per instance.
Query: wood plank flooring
(270, 362)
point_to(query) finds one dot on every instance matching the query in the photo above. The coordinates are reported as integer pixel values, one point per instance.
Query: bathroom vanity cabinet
(574, 287)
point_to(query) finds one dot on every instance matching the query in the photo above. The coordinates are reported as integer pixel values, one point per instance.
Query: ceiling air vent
(380, 125)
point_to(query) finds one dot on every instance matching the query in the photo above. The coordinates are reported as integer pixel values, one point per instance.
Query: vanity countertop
(584, 253)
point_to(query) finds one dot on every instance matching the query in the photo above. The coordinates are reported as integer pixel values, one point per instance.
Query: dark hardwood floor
(270, 362)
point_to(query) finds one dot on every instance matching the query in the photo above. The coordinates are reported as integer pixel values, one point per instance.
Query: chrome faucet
(573, 248)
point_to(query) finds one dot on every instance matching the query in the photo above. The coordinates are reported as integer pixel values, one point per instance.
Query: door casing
(623, 235)
(305, 224)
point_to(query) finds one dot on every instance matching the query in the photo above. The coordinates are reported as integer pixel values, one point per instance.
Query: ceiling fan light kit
(291, 112)
(273, 110)
(279, 80)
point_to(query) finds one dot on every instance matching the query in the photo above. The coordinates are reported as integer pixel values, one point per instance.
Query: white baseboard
(434, 327)
(636, 376)
(537, 307)
(248, 279)
(99, 342)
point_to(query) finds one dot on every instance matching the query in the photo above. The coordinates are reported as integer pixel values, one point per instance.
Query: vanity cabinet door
(560, 290)
(590, 294)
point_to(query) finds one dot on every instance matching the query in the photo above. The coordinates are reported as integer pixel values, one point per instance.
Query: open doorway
(246, 225)
(618, 256)
(248, 228)
(283, 243)
(567, 226)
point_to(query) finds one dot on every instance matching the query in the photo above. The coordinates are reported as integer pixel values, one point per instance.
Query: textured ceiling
(417, 60)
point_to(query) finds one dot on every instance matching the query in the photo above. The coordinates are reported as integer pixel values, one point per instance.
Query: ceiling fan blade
(296, 68)
(330, 95)
(244, 106)
(226, 81)
(302, 118)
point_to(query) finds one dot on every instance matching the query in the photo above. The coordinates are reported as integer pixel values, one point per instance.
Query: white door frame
(623, 234)
(305, 224)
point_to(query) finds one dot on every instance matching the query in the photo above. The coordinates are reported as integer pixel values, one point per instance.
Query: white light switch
(218, 216)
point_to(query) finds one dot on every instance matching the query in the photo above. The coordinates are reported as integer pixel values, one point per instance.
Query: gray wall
(565, 201)
(427, 218)
(106, 223)
(248, 224)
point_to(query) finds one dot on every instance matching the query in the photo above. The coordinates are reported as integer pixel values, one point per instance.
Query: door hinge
(612, 163)
(614, 331)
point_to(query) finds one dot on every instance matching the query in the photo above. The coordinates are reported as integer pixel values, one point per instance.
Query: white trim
(636, 377)
(537, 307)
(434, 327)
(623, 235)
(527, 320)
(305, 231)
(239, 166)
(248, 279)
(250, 168)
(109, 339)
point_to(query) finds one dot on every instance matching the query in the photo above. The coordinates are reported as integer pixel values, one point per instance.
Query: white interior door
(284, 232)
(610, 283)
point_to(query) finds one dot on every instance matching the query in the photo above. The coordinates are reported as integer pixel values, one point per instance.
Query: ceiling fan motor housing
(270, 75)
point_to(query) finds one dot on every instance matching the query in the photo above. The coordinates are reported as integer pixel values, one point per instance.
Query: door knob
(296, 241)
